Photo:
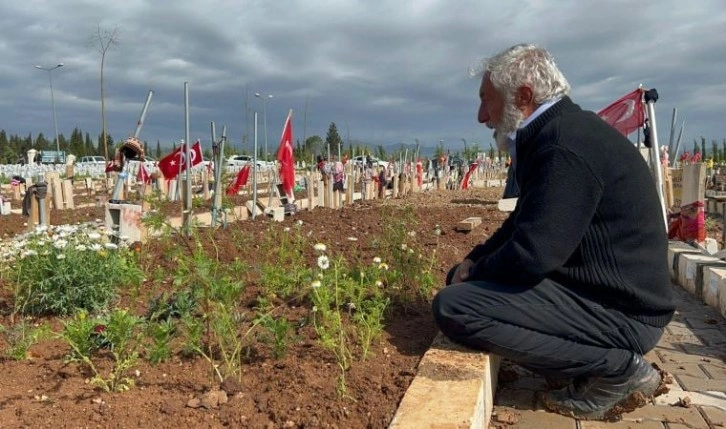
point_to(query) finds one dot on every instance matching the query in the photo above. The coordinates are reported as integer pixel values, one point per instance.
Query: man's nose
(483, 116)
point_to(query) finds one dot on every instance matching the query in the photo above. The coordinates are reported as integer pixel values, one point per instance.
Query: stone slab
(716, 415)
(468, 224)
(714, 284)
(687, 269)
(711, 399)
(659, 413)
(449, 371)
(698, 384)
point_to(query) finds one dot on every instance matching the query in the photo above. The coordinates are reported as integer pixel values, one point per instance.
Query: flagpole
(188, 201)
(651, 96)
(254, 175)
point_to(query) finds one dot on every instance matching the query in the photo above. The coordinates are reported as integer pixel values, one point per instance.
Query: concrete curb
(703, 276)
(454, 389)
(455, 386)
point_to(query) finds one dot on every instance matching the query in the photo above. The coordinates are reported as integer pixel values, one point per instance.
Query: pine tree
(158, 149)
(90, 150)
(333, 140)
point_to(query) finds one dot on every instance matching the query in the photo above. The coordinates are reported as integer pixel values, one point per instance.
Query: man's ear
(524, 97)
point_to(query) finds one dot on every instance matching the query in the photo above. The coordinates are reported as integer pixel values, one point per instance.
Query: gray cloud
(384, 71)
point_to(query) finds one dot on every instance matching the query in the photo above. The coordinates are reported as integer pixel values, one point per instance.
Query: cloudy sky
(385, 71)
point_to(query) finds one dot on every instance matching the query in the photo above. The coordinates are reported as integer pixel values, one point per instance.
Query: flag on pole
(175, 163)
(142, 175)
(240, 181)
(286, 158)
(465, 181)
(627, 114)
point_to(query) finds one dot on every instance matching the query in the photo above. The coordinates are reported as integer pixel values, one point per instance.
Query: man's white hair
(521, 65)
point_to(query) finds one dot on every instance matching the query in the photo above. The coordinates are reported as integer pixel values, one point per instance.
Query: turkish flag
(465, 181)
(286, 158)
(240, 181)
(625, 115)
(142, 175)
(175, 162)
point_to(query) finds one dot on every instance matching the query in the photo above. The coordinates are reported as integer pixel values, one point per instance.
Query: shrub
(61, 269)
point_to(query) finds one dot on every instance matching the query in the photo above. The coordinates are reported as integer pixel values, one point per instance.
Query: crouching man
(574, 285)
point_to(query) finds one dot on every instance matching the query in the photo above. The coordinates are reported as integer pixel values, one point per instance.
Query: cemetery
(292, 363)
(252, 316)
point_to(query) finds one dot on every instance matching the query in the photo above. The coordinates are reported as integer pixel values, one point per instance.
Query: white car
(242, 160)
(363, 159)
(92, 160)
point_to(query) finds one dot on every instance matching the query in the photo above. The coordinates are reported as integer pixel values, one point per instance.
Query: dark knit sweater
(588, 217)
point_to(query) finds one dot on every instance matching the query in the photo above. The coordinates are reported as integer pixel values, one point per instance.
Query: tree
(77, 145)
(703, 148)
(333, 140)
(158, 149)
(102, 40)
(381, 152)
(714, 151)
(90, 150)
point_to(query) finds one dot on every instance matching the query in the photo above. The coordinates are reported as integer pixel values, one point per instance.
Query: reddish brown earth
(297, 391)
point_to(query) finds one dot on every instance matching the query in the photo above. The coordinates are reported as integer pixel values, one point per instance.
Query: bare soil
(297, 391)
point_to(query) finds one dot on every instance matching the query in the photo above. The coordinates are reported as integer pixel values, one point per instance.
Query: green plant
(277, 333)
(20, 337)
(369, 319)
(287, 270)
(161, 333)
(120, 332)
(410, 276)
(61, 269)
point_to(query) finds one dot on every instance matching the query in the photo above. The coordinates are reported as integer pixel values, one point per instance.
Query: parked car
(362, 159)
(242, 160)
(92, 160)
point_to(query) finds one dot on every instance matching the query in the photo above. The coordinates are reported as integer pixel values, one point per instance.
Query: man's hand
(462, 271)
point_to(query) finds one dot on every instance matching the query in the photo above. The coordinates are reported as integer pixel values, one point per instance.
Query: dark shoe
(592, 398)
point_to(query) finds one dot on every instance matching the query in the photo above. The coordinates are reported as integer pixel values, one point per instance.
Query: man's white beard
(512, 118)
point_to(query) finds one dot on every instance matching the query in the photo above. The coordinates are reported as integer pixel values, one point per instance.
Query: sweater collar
(524, 134)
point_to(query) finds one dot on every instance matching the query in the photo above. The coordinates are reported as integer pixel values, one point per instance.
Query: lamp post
(264, 98)
(52, 102)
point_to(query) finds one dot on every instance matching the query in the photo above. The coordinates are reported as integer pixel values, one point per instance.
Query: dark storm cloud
(384, 71)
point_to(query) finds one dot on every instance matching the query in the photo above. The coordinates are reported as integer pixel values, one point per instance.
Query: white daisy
(323, 262)
(94, 235)
(60, 244)
(111, 246)
(60, 256)
(377, 260)
(320, 247)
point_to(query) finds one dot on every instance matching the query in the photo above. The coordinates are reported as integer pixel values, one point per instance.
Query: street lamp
(52, 102)
(264, 115)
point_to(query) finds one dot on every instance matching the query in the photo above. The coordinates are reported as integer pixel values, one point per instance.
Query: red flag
(286, 158)
(142, 175)
(625, 115)
(240, 181)
(175, 162)
(465, 182)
